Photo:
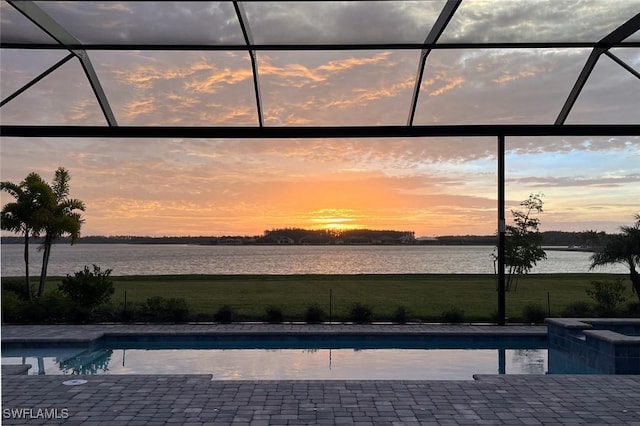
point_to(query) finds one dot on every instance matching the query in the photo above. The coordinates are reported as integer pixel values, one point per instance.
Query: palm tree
(623, 248)
(59, 218)
(21, 216)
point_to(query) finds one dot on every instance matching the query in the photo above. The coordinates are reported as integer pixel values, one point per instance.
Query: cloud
(580, 181)
(451, 84)
(140, 107)
(319, 22)
(337, 88)
(188, 88)
(526, 86)
(546, 20)
(151, 22)
(215, 77)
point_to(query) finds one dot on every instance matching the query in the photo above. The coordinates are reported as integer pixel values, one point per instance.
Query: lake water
(142, 259)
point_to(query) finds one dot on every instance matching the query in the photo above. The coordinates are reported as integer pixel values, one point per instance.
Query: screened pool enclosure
(453, 70)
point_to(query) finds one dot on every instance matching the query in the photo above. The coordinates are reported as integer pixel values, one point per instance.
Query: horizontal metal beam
(312, 47)
(318, 132)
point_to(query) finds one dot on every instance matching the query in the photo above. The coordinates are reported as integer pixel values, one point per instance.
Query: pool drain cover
(74, 382)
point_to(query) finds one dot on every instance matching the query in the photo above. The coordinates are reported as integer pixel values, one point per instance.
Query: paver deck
(199, 400)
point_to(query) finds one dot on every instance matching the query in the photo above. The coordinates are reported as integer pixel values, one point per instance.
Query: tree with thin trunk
(22, 216)
(60, 218)
(623, 248)
(523, 242)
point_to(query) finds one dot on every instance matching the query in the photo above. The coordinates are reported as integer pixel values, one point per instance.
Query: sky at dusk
(433, 186)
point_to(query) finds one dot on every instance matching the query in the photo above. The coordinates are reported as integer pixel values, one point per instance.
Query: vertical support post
(501, 233)
(330, 305)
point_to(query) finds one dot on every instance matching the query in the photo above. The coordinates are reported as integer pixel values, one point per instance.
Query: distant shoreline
(430, 243)
(553, 240)
(583, 249)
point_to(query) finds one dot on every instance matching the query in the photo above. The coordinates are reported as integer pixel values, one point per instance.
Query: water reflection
(302, 364)
(531, 362)
(90, 362)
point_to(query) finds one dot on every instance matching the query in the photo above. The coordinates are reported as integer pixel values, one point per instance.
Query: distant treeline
(293, 236)
(585, 239)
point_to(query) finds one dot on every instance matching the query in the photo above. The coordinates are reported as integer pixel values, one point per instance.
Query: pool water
(294, 364)
(288, 359)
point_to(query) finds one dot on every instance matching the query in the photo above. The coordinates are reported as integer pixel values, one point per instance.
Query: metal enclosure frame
(77, 49)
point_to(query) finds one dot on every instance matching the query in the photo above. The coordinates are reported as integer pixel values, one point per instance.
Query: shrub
(224, 314)
(53, 307)
(16, 286)
(88, 288)
(534, 314)
(129, 314)
(107, 312)
(607, 295)
(401, 315)
(12, 307)
(633, 309)
(453, 316)
(314, 314)
(360, 313)
(578, 309)
(274, 314)
(164, 309)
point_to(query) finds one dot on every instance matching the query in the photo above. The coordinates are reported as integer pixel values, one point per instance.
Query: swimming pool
(290, 357)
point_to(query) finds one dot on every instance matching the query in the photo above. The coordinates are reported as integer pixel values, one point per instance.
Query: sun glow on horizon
(336, 220)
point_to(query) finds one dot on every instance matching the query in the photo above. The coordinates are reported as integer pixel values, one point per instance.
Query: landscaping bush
(274, 314)
(87, 288)
(53, 307)
(12, 307)
(453, 316)
(16, 286)
(360, 313)
(314, 314)
(608, 295)
(107, 312)
(534, 314)
(578, 309)
(130, 311)
(224, 314)
(633, 309)
(401, 315)
(166, 309)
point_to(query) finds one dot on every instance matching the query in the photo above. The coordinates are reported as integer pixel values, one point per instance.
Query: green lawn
(425, 296)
